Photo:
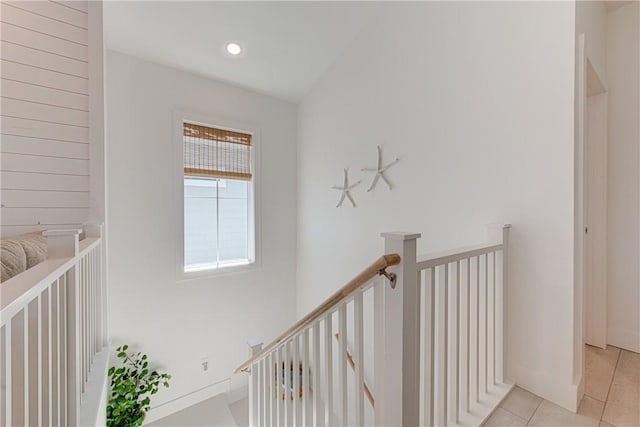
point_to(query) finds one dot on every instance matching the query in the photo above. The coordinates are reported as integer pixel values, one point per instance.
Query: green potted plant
(132, 385)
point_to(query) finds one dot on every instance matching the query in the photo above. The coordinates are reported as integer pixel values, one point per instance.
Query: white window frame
(253, 199)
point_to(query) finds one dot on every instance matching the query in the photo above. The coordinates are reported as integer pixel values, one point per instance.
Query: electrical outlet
(204, 363)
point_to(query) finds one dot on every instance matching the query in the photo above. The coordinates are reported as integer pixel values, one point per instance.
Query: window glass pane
(200, 223)
(232, 189)
(233, 211)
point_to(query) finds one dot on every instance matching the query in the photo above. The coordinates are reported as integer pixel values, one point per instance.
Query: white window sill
(204, 271)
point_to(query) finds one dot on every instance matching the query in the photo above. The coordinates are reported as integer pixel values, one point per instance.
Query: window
(218, 202)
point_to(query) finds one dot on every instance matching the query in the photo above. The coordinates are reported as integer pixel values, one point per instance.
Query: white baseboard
(189, 399)
(548, 387)
(627, 339)
(93, 408)
(580, 391)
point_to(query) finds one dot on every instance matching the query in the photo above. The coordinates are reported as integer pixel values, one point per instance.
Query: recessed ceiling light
(234, 48)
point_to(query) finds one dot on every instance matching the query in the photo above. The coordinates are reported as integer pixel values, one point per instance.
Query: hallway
(612, 396)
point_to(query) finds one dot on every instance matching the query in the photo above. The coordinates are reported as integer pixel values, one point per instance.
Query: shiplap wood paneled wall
(44, 108)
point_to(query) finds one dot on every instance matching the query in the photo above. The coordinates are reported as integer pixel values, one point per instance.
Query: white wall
(45, 168)
(477, 101)
(179, 323)
(623, 177)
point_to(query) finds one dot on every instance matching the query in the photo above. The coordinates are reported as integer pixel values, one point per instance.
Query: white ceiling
(288, 45)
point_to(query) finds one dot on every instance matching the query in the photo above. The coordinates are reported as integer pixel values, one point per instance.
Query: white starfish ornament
(380, 170)
(346, 189)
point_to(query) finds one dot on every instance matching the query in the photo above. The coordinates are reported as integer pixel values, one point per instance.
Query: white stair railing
(52, 327)
(292, 379)
(429, 338)
(462, 319)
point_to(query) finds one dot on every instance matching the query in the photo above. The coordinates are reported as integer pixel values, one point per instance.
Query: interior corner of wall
(549, 387)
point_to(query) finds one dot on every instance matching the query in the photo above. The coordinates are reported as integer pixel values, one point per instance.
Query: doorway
(595, 210)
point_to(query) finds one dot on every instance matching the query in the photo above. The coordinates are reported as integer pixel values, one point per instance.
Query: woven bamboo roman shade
(216, 153)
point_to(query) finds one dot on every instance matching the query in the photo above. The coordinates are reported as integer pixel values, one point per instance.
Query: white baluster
(438, 392)
(96, 301)
(268, 391)
(378, 345)
(296, 381)
(8, 370)
(102, 294)
(455, 383)
(328, 359)
(428, 335)
(316, 375)
(486, 323)
(18, 375)
(45, 316)
(35, 362)
(62, 344)
(287, 383)
(74, 349)
(306, 378)
(24, 332)
(80, 316)
(85, 324)
(468, 336)
(279, 388)
(492, 330)
(3, 384)
(445, 347)
(81, 325)
(342, 364)
(257, 397)
(85, 329)
(477, 337)
(92, 311)
(55, 353)
(94, 287)
(264, 389)
(254, 376)
(32, 361)
(358, 337)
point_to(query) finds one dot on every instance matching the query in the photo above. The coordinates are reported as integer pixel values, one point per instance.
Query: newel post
(62, 243)
(255, 346)
(397, 374)
(500, 233)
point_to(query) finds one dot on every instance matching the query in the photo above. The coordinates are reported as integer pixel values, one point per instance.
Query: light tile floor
(612, 396)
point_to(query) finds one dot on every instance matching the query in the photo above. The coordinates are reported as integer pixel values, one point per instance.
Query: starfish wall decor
(346, 189)
(380, 170)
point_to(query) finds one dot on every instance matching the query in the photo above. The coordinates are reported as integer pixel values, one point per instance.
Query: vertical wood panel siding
(44, 115)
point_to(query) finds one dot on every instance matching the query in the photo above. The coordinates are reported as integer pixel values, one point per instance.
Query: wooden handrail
(367, 274)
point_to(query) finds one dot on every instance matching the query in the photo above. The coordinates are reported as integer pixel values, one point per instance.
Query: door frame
(588, 81)
(595, 211)
(591, 188)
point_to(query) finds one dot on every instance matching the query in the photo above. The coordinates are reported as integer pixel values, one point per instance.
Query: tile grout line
(613, 376)
(615, 369)
(512, 413)
(534, 412)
